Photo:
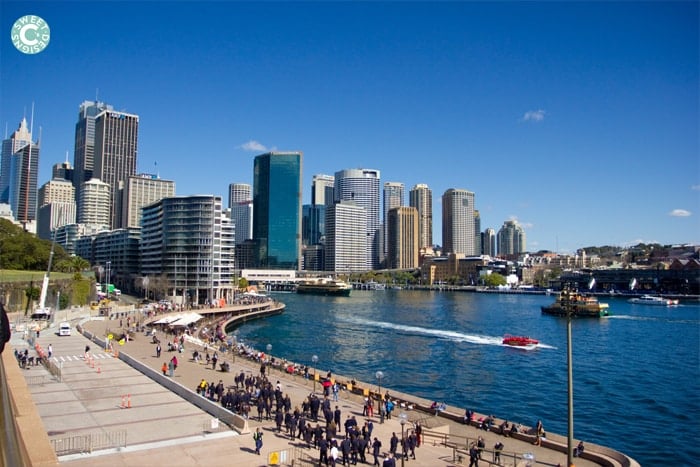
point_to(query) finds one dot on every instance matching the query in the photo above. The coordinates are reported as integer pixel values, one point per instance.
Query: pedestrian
(214, 360)
(49, 349)
(258, 436)
(473, 456)
(498, 447)
(165, 368)
(376, 450)
(171, 368)
(158, 350)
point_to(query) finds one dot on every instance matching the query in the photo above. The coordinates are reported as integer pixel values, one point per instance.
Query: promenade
(104, 397)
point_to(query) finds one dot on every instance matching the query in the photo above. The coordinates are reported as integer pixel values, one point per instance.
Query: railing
(460, 448)
(84, 444)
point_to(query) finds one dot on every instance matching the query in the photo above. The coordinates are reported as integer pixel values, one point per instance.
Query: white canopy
(187, 319)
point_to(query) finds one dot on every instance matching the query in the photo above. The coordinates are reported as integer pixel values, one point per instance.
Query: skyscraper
(116, 139)
(322, 187)
(421, 198)
(393, 198)
(277, 207)
(240, 201)
(511, 239)
(93, 205)
(142, 190)
(84, 150)
(344, 239)
(23, 178)
(458, 222)
(56, 207)
(362, 187)
(402, 238)
(20, 138)
(488, 242)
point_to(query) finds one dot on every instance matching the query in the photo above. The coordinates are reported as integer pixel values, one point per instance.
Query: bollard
(128, 401)
(123, 406)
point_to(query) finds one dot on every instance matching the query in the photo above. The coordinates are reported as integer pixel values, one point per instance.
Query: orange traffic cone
(98, 369)
(128, 401)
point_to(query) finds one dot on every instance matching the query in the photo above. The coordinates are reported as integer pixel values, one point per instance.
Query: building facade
(116, 140)
(361, 186)
(17, 140)
(56, 207)
(402, 238)
(421, 198)
(345, 242)
(277, 210)
(84, 148)
(393, 197)
(458, 234)
(322, 189)
(511, 240)
(240, 202)
(488, 242)
(142, 190)
(189, 242)
(94, 202)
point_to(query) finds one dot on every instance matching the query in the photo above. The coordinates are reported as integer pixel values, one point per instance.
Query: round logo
(30, 34)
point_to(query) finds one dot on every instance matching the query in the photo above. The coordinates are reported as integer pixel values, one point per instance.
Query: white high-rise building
(142, 190)
(344, 239)
(458, 235)
(56, 207)
(94, 204)
(362, 187)
(421, 198)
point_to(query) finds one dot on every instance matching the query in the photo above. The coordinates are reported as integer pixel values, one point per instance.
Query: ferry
(577, 305)
(653, 300)
(324, 286)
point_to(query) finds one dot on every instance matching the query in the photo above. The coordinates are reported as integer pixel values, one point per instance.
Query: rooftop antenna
(155, 166)
(66, 156)
(97, 94)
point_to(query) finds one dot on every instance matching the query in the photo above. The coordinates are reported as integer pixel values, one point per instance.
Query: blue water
(636, 374)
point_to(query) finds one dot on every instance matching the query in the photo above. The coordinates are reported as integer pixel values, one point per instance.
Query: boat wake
(443, 334)
(654, 318)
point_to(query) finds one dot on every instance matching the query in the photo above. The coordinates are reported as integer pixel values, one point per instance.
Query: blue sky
(580, 120)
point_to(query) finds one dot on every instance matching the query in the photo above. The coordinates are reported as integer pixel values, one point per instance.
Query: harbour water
(636, 373)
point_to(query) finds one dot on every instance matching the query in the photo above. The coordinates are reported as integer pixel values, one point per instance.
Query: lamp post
(402, 421)
(570, 363)
(314, 359)
(379, 375)
(109, 271)
(269, 357)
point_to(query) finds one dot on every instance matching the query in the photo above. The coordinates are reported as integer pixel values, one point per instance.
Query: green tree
(494, 280)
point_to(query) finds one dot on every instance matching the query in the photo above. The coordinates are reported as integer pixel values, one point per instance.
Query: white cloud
(253, 146)
(534, 116)
(695, 187)
(679, 213)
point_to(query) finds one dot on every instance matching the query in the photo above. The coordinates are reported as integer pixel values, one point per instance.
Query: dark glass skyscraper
(277, 208)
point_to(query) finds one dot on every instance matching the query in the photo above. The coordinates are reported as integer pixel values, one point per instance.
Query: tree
(494, 280)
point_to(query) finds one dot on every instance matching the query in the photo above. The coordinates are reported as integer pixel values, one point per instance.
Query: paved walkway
(161, 428)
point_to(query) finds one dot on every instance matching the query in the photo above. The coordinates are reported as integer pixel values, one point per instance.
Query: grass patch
(8, 275)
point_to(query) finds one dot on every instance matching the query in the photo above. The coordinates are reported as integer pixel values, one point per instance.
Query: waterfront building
(246, 254)
(393, 198)
(277, 210)
(345, 242)
(322, 189)
(56, 207)
(189, 241)
(93, 204)
(10, 145)
(421, 198)
(458, 235)
(511, 240)
(402, 238)
(240, 202)
(84, 146)
(116, 140)
(488, 242)
(361, 186)
(142, 190)
(453, 269)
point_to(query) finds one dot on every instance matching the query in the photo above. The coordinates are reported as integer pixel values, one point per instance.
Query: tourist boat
(577, 305)
(653, 300)
(519, 341)
(324, 286)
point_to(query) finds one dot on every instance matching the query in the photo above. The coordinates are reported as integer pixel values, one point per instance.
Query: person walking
(49, 349)
(158, 350)
(165, 368)
(171, 368)
(258, 436)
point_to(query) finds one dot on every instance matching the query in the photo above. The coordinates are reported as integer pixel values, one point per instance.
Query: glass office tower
(277, 208)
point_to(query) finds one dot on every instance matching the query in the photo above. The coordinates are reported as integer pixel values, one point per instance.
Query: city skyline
(577, 120)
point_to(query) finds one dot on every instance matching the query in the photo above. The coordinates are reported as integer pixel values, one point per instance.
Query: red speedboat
(519, 341)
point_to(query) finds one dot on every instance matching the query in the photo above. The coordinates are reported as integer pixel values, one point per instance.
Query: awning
(187, 319)
(169, 319)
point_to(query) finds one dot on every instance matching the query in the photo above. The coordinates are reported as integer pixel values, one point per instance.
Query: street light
(314, 359)
(402, 421)
(269, 357)
(379, 375)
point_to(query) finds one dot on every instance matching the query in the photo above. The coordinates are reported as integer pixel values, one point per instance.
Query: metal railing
(85, 444)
